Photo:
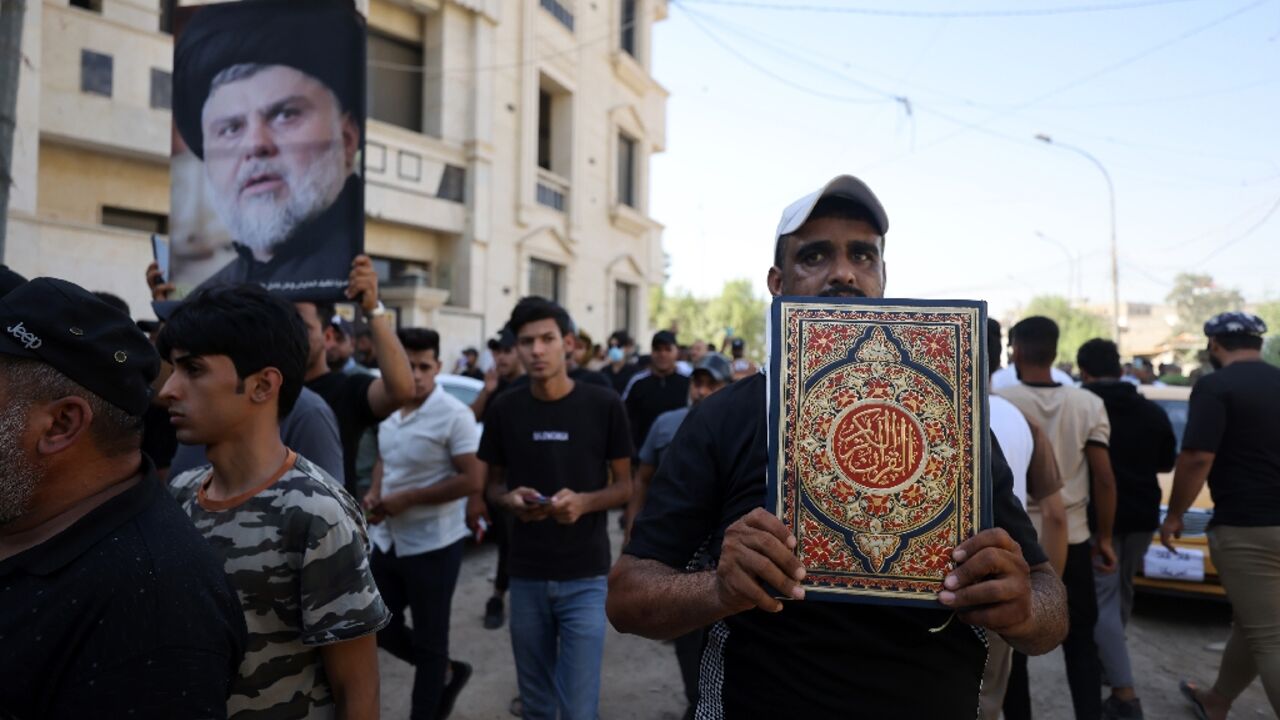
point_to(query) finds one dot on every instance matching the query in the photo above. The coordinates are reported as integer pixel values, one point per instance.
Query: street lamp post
(1115, 261)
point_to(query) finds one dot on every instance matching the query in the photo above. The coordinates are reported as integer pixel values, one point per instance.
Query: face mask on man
(616, 354)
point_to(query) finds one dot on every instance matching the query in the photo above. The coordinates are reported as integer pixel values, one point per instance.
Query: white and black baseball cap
(844, 186)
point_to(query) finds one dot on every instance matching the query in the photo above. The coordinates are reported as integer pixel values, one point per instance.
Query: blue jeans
(557, 637)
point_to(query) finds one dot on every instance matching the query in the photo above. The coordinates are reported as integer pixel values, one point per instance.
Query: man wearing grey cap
(110, 601)
(1232, 440)
(767, 658)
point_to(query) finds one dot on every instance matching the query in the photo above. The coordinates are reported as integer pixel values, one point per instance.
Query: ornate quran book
(879, 461)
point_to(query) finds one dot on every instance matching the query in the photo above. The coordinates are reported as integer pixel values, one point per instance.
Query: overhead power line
(1252, 229)
(947, 14)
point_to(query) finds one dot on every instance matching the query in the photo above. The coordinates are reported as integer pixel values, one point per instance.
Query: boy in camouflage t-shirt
(292, 540)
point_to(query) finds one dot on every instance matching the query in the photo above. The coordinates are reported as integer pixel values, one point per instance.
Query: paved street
(1168, 640)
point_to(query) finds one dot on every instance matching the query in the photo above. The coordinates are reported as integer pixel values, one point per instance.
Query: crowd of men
(226, 515)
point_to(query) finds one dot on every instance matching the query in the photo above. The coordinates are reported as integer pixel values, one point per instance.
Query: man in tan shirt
(1077, 424)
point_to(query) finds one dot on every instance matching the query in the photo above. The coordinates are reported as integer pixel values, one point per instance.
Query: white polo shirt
(417, 450)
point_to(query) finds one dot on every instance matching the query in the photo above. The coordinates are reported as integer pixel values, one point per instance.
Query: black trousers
(424, 583)
(1084, 673)
(500, 531)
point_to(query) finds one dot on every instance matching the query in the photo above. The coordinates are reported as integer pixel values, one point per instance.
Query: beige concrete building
(507, 153)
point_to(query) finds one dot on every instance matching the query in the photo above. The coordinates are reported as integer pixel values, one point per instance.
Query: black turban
(322, 38)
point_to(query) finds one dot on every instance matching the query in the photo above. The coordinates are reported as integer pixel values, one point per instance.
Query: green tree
(1197, 298)
(1270, 314)
(1075, 326)
(1271, 350)
(736, 308)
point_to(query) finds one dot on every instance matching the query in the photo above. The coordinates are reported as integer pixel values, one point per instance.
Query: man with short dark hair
(551, 449)
(768, 658)
(1036, 483)
(1232, 440)
(1142, 445)
(293, 542)
(1077, 424)
(359, 401)
(426, 470)
(111, 601)
(657, 389)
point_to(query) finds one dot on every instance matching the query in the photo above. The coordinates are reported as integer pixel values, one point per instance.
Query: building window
(394, 76)
(394, 272)
(627, 171)
(95, 73)
(624, 307)
(161, 89)
(166, 15)
(453, 184)
(559, 12)
(545, 279)
(91, 5)
(139, 220)
(544, 129)
(628, 31)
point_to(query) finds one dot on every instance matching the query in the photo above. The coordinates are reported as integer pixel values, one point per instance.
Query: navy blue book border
(984, 491)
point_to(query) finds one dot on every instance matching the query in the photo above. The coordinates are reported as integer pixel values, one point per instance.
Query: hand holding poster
(268, 104)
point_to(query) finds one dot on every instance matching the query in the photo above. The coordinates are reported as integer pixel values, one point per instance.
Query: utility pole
(11, 12)
(1115, 259)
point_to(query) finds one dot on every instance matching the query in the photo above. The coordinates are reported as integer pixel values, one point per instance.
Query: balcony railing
(553, 190)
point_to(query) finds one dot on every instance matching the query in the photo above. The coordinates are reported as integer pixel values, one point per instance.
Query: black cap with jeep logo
(66, 327)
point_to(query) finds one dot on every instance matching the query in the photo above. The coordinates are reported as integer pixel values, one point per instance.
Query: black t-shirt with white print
(549, 446)
(813, 659)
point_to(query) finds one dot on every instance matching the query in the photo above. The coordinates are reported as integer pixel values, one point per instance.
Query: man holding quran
(863, 525)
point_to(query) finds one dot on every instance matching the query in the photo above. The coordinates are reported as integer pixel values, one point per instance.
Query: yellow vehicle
(1174, 401)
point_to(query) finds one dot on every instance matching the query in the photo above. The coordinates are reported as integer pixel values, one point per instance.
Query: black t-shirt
(813, 659)
(649, 397)
(621, 376)
(126, 612)
(591, 377)
(348, 397)
(1235, 413)
(1142, 445)
(549, 446)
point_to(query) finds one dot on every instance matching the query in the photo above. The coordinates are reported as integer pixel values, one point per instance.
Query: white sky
(1180, 100)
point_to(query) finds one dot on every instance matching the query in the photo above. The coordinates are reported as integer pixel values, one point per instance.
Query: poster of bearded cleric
(266, 181)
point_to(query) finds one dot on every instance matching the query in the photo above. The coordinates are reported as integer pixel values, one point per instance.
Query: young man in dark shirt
(359, 401)
(767, 658)
(1142, 445)
(659, 389)
(112, 602)
(1233, 441)
(551, 449)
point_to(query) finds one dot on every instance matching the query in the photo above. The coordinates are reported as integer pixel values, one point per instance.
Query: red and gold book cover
(878, 450)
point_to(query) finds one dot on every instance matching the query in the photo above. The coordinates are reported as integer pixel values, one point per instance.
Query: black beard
(1215, 362)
